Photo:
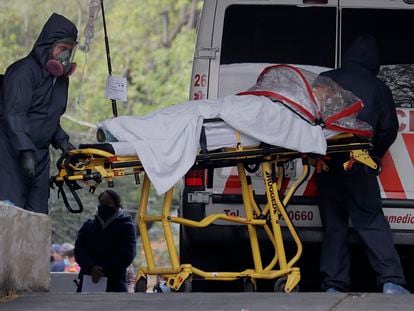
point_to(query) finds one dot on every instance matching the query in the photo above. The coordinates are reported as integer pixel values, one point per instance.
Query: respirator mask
(62, 64)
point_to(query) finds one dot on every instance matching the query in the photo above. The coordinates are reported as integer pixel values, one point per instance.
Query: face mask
(66, 261)
(105, 211)
(62, 64)
(52, 259)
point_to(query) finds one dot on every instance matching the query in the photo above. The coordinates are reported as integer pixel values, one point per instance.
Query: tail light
(195, 178)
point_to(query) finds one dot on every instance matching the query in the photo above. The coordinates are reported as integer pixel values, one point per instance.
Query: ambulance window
(279, 34)
(393, 31)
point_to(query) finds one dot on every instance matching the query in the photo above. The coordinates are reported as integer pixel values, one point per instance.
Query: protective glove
(28, 163)
(66, 146)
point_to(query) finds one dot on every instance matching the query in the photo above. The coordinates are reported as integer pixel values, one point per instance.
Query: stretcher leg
(169, 237)
(256, 209)
(274, 204)
(288, 222)
(142, 223)
(262, 214)
(273, 262)
(176, 275)
(180, 276)
(254, 243)
(277, 211)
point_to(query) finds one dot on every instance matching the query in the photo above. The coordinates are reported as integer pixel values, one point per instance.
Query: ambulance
(236, 40)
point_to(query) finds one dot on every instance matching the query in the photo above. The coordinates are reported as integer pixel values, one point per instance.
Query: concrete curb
(24, 250)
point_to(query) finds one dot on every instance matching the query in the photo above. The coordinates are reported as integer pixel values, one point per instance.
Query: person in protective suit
(106, 245)
(356, 195)
(32, 100)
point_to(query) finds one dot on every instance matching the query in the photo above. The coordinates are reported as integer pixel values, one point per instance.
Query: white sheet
(219, 135)
(167, 140)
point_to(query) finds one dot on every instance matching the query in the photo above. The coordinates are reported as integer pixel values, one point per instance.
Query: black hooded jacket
(31, 99)
(358, 73)
(111, 246)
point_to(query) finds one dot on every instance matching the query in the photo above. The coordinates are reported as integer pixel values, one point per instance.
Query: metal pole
(108, 57)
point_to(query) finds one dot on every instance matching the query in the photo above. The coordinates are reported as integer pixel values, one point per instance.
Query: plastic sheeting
(339, 107)
(291, 86)
(317, 99)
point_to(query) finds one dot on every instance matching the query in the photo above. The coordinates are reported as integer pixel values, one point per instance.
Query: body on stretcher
(95, 163)
(290, 120)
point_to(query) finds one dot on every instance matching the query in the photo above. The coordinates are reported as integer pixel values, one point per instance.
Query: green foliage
(158, 76)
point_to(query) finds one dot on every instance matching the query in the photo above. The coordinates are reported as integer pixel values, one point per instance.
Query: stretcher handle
(74, 194)
(68, 183)
(61, 191)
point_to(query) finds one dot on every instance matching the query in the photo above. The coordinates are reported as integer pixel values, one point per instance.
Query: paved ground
(209, 301)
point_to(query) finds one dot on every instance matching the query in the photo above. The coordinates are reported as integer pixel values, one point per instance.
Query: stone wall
(25, 239)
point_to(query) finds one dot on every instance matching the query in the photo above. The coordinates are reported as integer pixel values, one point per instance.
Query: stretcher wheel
(249, 286)
(378, 170)
(280, 286)
(141, 285)
(186, 287)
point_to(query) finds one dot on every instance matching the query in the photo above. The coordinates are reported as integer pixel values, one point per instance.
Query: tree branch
(80, 11)
(166, 27)
(80, 122)
(192, 14)
(169, 37)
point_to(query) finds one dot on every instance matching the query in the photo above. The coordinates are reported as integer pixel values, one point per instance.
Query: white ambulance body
(236, 39)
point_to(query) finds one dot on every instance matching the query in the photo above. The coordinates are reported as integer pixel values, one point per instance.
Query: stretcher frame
(95, 165)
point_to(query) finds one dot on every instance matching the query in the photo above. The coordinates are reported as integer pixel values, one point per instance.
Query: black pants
(116, 283)
(354, 197)
(30, 194)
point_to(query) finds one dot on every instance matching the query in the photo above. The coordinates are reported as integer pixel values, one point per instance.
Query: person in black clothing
(106, 245)
(33, 97)
(356, 195)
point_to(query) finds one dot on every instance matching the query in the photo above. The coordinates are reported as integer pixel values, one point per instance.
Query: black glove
(66, 146)
(28, 163)
(97, 273)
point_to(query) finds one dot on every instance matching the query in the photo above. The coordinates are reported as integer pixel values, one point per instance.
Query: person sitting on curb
(106, 245)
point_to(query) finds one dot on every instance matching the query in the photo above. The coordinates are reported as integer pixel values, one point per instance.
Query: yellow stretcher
(94, 165)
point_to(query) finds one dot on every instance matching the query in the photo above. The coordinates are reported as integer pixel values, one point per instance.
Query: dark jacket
(113, 248)
(358, 73)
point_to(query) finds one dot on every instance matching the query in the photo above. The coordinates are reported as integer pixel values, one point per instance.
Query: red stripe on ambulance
(311, 188)
(409, 144)
(390, 180)
(233, 183)
(285, 183)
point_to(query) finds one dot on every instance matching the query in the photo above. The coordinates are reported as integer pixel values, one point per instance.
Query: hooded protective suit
(356, 195)
(31, 104)
(358, 74)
